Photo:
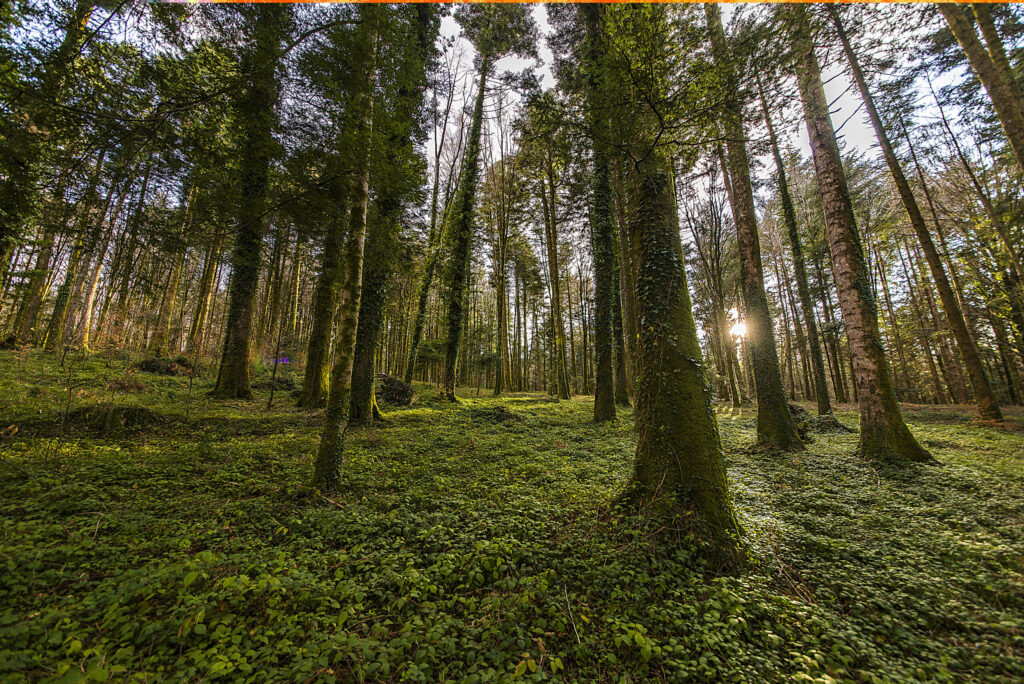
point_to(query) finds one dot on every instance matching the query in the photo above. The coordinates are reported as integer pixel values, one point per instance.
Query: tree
(884, 435)
(397, 177)
(776, 429)
(680, 467)
(327, 466)
(495, 30)
(988, 408)
(601, 216)
(992, 68)
(23, 144)
(254, 110)
(799, 266)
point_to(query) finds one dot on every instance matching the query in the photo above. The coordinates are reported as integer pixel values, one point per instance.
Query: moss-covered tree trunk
(460, 231)
(883, 433)
(776, 428)
(378, 265)
(680, 465)
(382, 247)
(799, 267)
(325, 301)
(254, 106)
(327, 467)
(985, 398)
(601, 218)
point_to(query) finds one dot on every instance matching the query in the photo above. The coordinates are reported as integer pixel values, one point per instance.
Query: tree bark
(601, 217)
(776, 429)
(680, 464)
(327, 468)
(255, 105)
(985, 398)
(883, 433)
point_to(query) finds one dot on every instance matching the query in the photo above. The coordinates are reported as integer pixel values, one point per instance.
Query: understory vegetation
(478, 541)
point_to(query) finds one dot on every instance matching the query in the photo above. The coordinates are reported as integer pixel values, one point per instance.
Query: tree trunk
(1001, 86)
(601, 217)
(255, 105)
(988, 407)
(800, 269)
(461, 232)
(327, 468)
(883, 433)
(558, 327)
(680, 465)
(206, 284)
(776, 429)
(28, 316)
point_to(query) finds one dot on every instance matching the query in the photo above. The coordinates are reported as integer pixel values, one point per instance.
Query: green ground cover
(179, 541)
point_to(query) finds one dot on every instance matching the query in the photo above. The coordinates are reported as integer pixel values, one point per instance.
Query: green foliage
(483, 550)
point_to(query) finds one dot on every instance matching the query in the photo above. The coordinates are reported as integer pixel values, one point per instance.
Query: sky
(855, 131)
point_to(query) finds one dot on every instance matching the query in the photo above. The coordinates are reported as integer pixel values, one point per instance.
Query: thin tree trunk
(799, 268)
(327, 468)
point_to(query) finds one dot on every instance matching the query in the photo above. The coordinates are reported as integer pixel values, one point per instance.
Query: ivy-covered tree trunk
(985, 398)
(460, 231)
(327, 467)
(378, 265)
(680, 465)
(776, 428)
(382, 248)
(622, 374)
(325, 300)
(883, 433)
(799, 267)
(558, 360)
(254, 105)
(601, 218)
(1000, 84)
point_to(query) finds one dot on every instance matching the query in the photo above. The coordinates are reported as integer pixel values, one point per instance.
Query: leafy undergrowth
(478, 543)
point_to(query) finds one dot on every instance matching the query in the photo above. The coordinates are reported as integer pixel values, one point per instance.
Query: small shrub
(179, 366)
(395, 392)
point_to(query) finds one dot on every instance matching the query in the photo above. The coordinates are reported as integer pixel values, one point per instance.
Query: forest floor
(177, 540)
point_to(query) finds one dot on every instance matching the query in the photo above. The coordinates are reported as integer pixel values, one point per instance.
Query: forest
(500, 342)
